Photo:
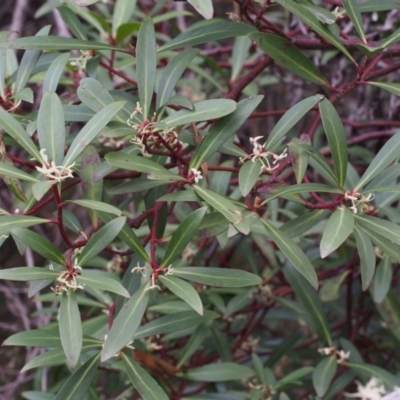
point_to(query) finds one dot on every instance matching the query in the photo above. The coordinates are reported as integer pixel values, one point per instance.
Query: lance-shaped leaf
(223, 131)
(367, 256)
(227, 208)
(293, 253)
(139, 164)
(146, 64)
(303, 223)
(70, 327)
(353, 11)
(386, 155)
(56, 43)
(51, 127)
(290, 118)
(171, 74)
(101, 239)
(122, 13)
(286, 54)
(336, 136)
(54, 73)
(183, 290)
(98, 280)
(72, 21)
(220, 372)
(147, 386)
(47, 337)
(126, 323)
(79, 382)
(28, 274)
(239, 55)
(385, 377)
(382, 280)
(310, 20)
(384, 228)
(340, 225)
(203, 7)
(173, 322)
(129, 237)
(90, 131)
(298, 156)
(9, 222)
(221, 277)
(292, 377)
(323, 374)
(248, 176)
(202, 111)
(40, 245)
(18, 133)
(389, 86)
(389, 310)
(206, 33)
(311, 301)
(97, 205)
(182, 236)
(12, 172)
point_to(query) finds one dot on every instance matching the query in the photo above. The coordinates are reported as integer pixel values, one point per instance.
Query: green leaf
(126, 323)
(384, 228)
(98, 280)
(340, 225)
(12, 172)
(202, 111)
(223, 131)
(146, 64)
(56, 43)
(378, 5)
(382, 280)
(18, 133)
(91, 130)
(147, 386)
(292, 377)
(248, 176)
(389, 310)
(393, 38)
(28, 274)
(389, 86)
(367, 256)
(51, 127)
(40, 245)
(323, 374)
(287, 55)
(139, 164)
(171, 74)
(70, 327)
(182, 236)
(312, 303)
(9, 222)
(310, 20)
(47, 337)
(97, 205)
(386, 155)
(173, 322)
(293, 253)
(208, 32)
(353, 11)
(301, 188)
(290, 119)
(203, 7)
(123, 11)
(101, 239)
(183, 290)
(54, 73)
(221, 277)
(303, 223)
(336, 136)
(28, 62)
(387, 379)
(39, 189)
(72, 21)
(220, 372)
(226, 207)
(79, 382)
(239, 55)
(299, 157)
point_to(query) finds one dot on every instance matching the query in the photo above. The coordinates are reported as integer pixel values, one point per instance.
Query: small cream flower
(153, 285)
(373, 390)
(196, 175)
(53, 172)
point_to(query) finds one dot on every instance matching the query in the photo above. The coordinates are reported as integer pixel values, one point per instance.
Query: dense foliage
(207, 205)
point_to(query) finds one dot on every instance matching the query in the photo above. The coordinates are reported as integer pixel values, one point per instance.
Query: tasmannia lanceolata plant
(208, 209)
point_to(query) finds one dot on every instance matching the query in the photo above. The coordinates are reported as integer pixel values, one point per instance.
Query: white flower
(153, 285)
(373, 390)
(342, 356)
(196, 175)
(53, 172)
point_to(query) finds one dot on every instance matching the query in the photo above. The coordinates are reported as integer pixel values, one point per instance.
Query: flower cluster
(259, 153)
(80, 62)
(358, 199)
(150, 136)
(373, 390)
(67, 279)
(341, 355)
(53, 172)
